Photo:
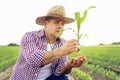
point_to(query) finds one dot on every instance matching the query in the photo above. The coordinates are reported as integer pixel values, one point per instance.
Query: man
(43, 54)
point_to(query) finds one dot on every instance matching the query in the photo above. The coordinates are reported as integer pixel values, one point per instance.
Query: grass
(8, 56)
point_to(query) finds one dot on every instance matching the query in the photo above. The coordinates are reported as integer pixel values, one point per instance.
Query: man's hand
(77, 62)
(74, 63)
(70, 46)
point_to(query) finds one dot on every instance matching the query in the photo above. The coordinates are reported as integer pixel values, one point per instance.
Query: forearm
(53, 55)
(66, 68)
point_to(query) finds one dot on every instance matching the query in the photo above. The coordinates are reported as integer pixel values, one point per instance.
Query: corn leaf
(61, 31)
(84, 16)
(69, 29)
(84, 35)
(92, 7)
(85, 13)
(77, 18)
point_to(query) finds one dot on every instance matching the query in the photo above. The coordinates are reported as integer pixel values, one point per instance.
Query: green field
(102, 60)
(8, 56)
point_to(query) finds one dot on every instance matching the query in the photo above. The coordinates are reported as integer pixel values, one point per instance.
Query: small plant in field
(79, 20)
(80, 75)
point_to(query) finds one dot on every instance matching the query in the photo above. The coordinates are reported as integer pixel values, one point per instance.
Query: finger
(74, 42)
(83, 57)
(73, 48)
(77, 46)
(72, 63)
(80, 61)
(78, 49)
(77, 43)
(75, 63)
(74, 60)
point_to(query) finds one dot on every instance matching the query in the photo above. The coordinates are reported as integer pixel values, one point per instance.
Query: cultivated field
(102, 62)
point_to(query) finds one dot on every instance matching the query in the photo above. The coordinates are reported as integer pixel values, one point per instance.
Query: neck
(50, 39)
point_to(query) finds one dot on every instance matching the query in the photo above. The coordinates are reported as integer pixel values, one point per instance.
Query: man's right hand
(70, 46)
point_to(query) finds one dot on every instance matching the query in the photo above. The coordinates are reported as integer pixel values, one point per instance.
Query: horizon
(112, 43)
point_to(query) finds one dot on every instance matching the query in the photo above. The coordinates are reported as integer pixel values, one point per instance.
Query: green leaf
(61, 31)
(77, 16)
(69, 29)
(85, 13)
(92, 7)
(84, 35)
(84, 16)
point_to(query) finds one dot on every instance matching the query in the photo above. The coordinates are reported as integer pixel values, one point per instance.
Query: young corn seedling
(79, 20)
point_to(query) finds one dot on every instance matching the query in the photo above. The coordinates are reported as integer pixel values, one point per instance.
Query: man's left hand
(77, 62)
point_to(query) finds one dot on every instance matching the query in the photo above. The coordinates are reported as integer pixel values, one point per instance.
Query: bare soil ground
(6, 73)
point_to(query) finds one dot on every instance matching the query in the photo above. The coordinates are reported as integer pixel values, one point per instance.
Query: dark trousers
(53, 77)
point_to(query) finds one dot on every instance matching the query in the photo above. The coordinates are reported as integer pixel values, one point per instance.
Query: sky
(101, 25)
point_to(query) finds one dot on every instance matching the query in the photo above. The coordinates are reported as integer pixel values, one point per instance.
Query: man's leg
(53, 77)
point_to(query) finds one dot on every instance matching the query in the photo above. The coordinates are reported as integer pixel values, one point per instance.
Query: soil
(6, 73)
(94, 75)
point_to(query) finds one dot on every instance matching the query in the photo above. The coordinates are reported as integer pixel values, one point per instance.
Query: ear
(45, 24)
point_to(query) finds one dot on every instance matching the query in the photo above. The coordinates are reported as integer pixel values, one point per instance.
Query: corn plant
(80, 75)
(79, 20)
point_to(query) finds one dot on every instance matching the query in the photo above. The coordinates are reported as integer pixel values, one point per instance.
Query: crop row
(8, 56)
(103, 60)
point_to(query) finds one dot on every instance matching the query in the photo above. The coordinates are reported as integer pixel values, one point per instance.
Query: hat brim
(41, 20)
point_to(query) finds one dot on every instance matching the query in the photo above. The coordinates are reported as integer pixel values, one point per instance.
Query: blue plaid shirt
(33, 48)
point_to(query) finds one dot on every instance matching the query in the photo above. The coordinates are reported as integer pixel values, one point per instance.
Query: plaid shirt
(33, 48)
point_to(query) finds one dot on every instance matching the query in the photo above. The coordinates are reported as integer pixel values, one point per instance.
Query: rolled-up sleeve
(32, 54)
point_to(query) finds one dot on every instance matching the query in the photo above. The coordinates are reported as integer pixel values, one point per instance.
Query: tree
(12, 44)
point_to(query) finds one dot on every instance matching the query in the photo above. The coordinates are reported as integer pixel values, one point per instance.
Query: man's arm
(66, 68)
(53, 55)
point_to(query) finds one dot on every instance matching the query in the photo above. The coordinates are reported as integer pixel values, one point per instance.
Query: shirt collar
(41, 33)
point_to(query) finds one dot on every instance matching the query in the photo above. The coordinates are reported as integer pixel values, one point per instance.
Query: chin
(58, 35)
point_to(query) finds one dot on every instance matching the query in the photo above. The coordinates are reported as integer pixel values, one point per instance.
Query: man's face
(53, 27)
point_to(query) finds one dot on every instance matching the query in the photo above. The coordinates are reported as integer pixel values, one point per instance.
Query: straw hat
(55, 12)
